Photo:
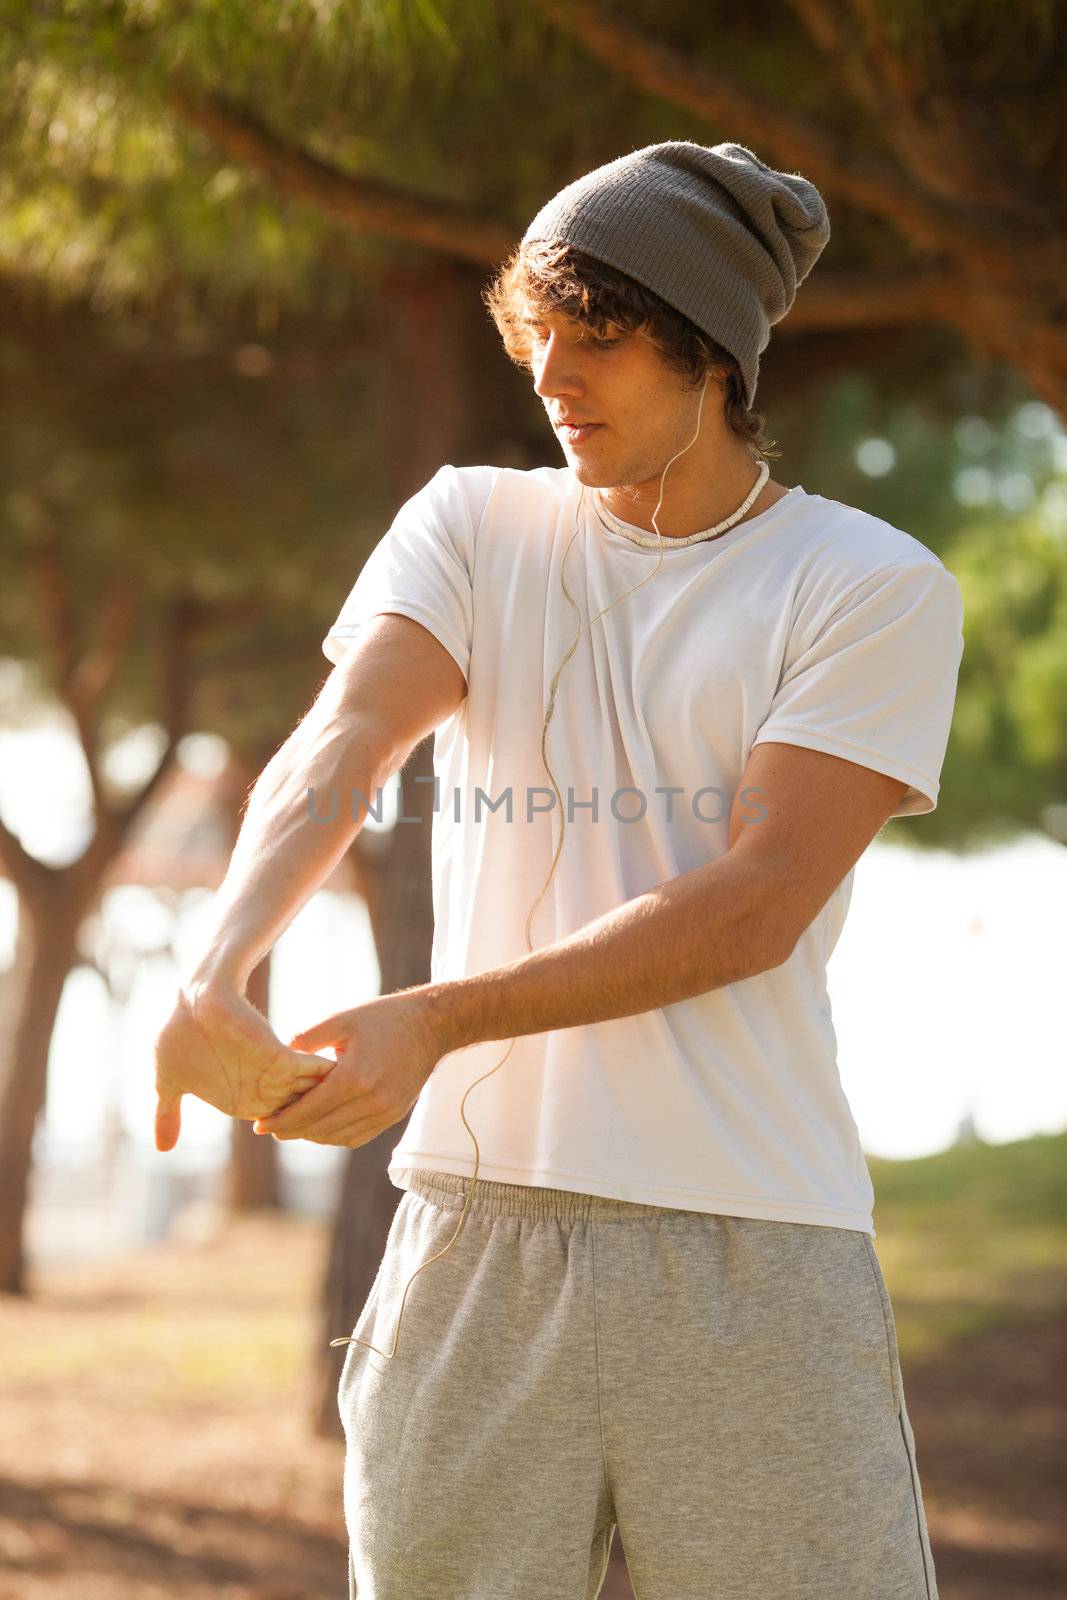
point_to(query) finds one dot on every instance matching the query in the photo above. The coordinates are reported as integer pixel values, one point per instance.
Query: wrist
(447, 1016)
(215, 973)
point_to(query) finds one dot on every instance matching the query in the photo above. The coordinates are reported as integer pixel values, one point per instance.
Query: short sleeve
(422, 568)
(877, 682)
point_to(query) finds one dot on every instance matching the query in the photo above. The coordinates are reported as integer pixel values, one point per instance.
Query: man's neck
(638, 512)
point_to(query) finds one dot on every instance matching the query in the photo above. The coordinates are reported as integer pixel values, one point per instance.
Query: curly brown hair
(539, 279)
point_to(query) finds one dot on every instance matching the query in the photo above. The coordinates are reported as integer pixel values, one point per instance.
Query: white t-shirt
(813, 623)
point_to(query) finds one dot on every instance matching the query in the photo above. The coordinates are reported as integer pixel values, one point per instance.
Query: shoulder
(470, 498)
(480, 484)
(851, 561)
(858, 543)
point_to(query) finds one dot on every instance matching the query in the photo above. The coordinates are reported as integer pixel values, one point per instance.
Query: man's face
(642, 411)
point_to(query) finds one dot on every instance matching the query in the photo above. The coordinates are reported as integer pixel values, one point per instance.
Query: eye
(600, 341)
(537, 334)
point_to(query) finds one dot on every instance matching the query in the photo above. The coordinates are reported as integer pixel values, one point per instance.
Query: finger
(315, 1064)
(345, 1128)
(299, 1089)
(291, 1101)
(320, 1101)
(168, 1121)
(309, 1069)
(349, 1135)
(302, 1085)
(292, 1075)
(331, 1030)
(341, 1128)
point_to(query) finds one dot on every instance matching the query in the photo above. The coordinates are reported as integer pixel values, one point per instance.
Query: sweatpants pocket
(920, 1513)
(892, 1353)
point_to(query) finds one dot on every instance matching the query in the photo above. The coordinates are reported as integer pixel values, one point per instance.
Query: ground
(156, 1439)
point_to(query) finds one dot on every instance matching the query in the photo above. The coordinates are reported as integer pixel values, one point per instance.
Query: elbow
(764, 958)
(777, 955)
(781, 934)
(764, 943)
(758, 931)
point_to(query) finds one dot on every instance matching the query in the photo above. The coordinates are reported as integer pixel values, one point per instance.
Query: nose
(555, 369)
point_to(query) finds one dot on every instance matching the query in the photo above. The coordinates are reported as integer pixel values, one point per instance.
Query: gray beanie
(714, 232)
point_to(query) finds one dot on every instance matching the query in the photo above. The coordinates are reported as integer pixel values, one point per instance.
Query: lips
(575, 432)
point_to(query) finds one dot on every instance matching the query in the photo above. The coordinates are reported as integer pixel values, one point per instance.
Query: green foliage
(232, 476)
(979, 476)
(973, 1236)
(981, 1186)
(103, 192)
(206, 422)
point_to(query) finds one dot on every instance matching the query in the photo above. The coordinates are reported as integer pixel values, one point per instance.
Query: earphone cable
(351, 1339)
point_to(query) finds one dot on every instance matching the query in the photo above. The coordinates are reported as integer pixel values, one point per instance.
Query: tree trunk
(429, 349)
(253, 1179)
(46, 959)
(253, 1176)
(442, 365)
(13, 982)
(403, 934)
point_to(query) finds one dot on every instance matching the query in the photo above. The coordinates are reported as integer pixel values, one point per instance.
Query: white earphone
(388, 1354)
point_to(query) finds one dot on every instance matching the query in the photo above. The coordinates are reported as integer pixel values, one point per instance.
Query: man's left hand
(385, 1051)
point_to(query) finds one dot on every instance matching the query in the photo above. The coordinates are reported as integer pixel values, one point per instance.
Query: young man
(661, 1308)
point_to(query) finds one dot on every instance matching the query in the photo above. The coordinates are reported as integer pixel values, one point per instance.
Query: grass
(971, 1237)
(157, 1444)
(225, 1319)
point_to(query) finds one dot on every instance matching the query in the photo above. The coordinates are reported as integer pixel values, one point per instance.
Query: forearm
(697, 932)
(305, 809)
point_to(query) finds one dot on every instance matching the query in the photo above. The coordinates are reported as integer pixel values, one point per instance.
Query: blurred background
(241, 253)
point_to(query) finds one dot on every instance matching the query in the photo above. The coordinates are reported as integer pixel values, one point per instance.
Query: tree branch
(29, 876)
(185, 616)
(946, 150)
(863, 299)
(61, 631)
(97, 667)
(363, 203)
(987, 244)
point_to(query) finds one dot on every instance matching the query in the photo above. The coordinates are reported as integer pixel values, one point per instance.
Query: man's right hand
(217, 1046)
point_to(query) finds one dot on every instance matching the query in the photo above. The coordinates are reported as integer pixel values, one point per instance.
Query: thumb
(168, 1121)
(330, 1031)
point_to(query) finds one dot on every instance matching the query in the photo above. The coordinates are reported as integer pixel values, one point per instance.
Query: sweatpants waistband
(491, 1198)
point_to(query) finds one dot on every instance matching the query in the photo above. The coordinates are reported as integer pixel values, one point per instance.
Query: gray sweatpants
(725, 1390)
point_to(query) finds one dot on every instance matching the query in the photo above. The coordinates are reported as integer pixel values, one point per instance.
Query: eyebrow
(529, 321)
